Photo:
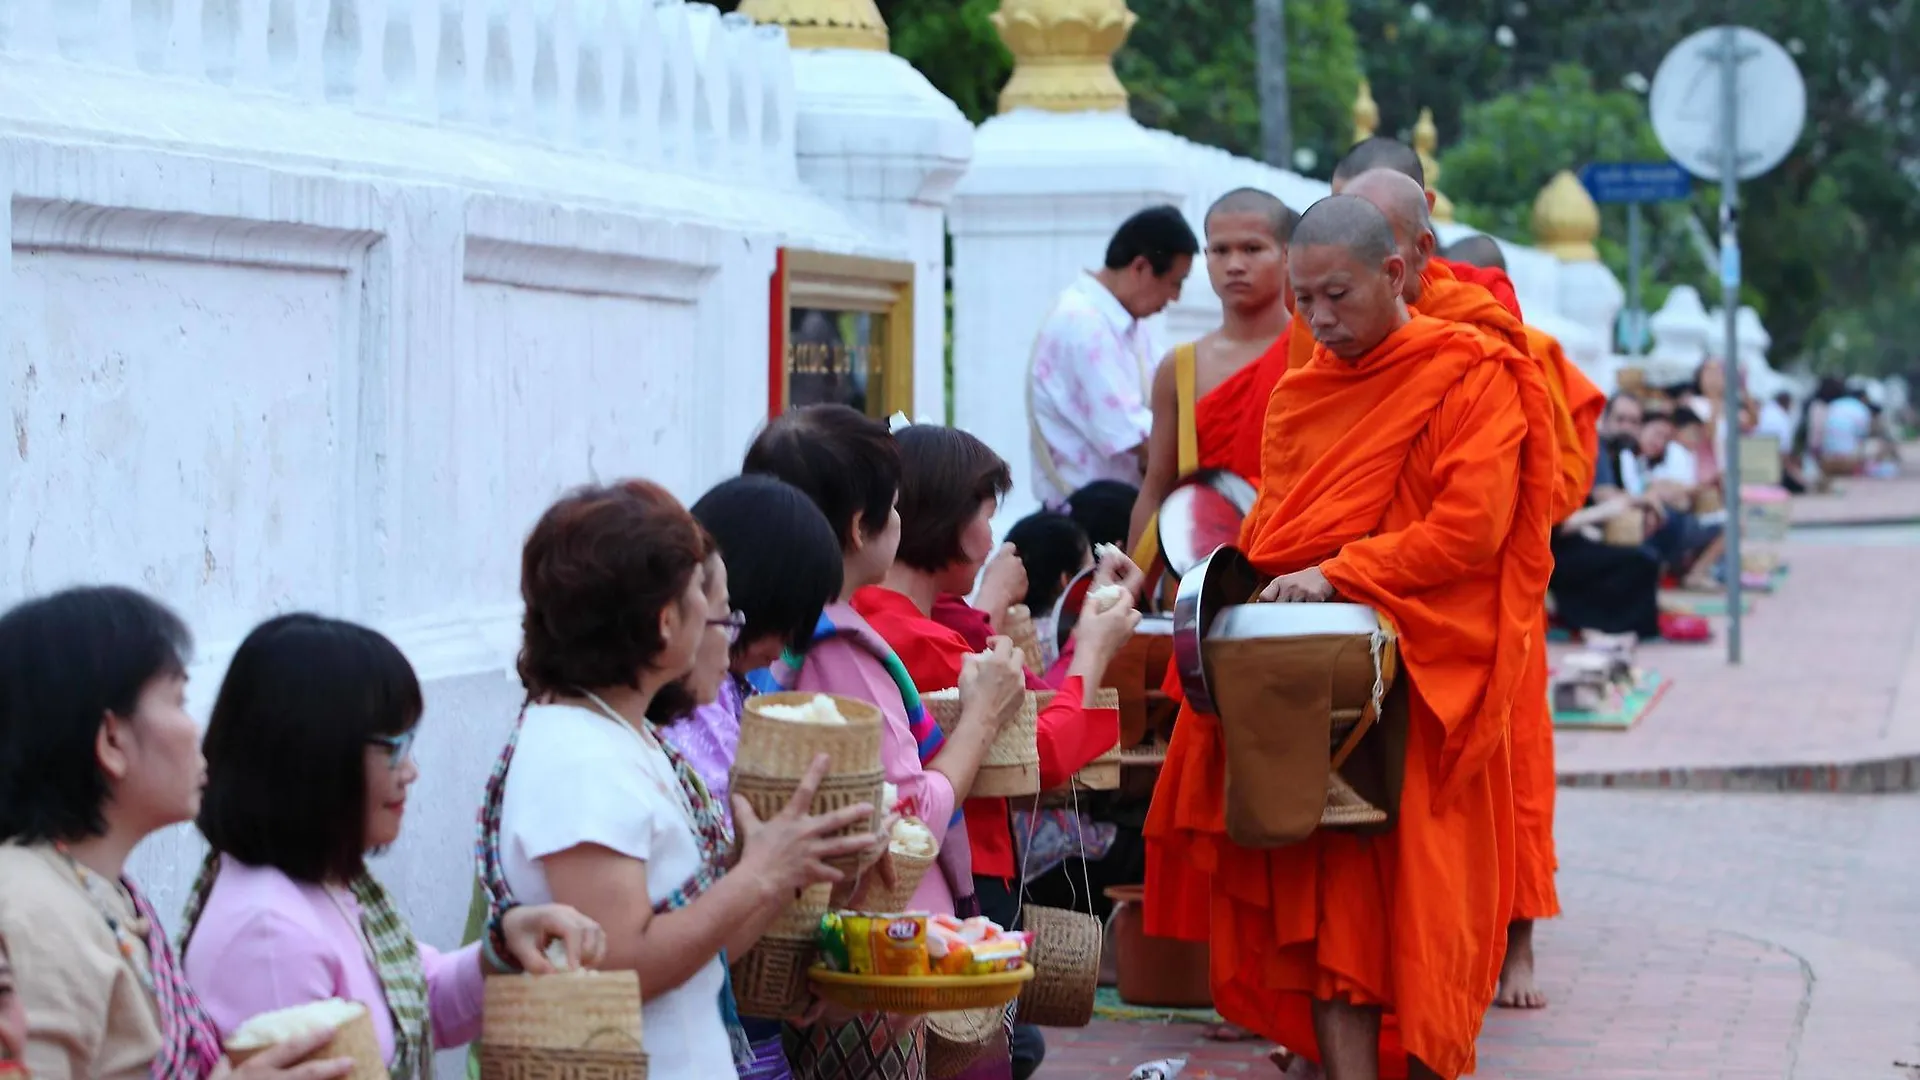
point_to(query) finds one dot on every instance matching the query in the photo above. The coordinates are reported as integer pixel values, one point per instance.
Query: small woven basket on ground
(955, 1040)
(774, 756)
(908, 871)
(573, 1026)
(1012, 765)
(770, 981)
(1066, 960)
(354, 1039)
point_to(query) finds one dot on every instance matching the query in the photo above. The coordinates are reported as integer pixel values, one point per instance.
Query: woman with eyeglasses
(309, 762)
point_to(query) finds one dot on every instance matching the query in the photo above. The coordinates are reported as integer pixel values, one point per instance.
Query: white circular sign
(1685, 103)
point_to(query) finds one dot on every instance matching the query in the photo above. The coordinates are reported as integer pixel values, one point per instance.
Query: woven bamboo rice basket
(770, 981)
(1012, 765)
(354, 1039)
(576, 1026)
(908, 872)
(1625, 530)
(955, 1040)
(1066, 960)
(774, 756)
(533, 1063)
(1019, 627)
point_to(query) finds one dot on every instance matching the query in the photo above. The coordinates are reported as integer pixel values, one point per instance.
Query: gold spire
(1426, 139)
(823, 24)
(1063, 54)
(1565, 220)
(1366, 114)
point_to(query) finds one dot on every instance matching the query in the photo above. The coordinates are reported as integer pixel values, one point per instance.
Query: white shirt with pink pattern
(1088, 392)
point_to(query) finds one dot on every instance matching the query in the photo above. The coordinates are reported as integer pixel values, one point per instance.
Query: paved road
(1708, 935)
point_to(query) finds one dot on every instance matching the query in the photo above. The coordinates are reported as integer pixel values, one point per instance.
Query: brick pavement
(1896, 499)
(1707, 936)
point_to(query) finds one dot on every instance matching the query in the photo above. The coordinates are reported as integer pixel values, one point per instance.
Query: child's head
(1053, 548)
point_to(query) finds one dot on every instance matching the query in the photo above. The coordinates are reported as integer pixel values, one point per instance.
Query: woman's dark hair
(783, 562)
(845, 461)
(286, 746)
(945, 474)
(66, 661)
(1050, 545)
(1105, 509)
(596, 572)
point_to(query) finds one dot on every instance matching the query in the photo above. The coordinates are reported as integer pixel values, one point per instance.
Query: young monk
(1577, 403)
(1407, 466)
(1209, 396)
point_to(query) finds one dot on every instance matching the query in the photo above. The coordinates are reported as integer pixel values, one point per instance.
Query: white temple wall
(306, 322)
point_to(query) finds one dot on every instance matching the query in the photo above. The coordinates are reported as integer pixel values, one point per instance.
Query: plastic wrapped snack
(875, 944)
(821, 710)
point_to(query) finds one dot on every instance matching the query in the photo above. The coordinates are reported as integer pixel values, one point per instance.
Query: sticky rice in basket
(352, 1028)
(781, 734)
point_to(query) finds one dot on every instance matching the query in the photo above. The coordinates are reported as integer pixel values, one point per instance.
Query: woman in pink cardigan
(309, 763)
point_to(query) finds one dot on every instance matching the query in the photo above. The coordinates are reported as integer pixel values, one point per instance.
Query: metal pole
(1730, 301)
(1636, 314)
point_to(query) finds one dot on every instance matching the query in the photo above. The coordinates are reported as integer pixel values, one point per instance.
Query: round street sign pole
(1729, 104)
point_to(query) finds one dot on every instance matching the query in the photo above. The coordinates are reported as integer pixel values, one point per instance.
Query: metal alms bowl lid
(1222, 580)
(1201, 514)
(1248, 621)
(1066, 610)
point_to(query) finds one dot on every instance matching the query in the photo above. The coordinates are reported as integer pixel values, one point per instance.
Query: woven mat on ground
(1702, 604)
(1636, 704)
(1108, 1006)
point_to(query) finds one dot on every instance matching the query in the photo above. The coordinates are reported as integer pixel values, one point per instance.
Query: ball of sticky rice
(1106, 597)
(273, 1028)
(821, 710)
(912, 838)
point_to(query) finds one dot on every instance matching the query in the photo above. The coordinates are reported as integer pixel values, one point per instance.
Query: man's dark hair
(1348, 222)
(1380, 152)
(66, 661)
(1248, 200)
(1477, 250)
(287, 744)
(597, 571)
(1051, 546)
(1624, 395)
(1682, 416)
(846, 461)
(1784, 399)
(783, 563)
(1158, 234)
(1104, 509)
(946, 475)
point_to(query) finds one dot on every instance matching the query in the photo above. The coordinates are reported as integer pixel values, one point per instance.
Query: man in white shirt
(1090, 379)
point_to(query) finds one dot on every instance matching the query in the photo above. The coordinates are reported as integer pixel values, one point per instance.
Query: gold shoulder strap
(1184, 359)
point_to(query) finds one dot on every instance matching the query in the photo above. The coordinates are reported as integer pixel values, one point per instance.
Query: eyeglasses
(398, 747)
(732, 625)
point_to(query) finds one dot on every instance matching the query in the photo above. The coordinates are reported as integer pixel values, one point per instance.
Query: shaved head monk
(1408, 467)
(1477, 250)
(1577, 404)
(1209, 396)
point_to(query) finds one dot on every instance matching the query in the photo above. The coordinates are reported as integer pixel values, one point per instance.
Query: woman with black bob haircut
(97, 753)
(309, 760)
(588, 806)
(951, 486)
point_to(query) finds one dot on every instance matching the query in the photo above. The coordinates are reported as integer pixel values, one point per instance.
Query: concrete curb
(1875, 776)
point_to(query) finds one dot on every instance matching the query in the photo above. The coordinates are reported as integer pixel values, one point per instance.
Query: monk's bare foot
(1517, 989)
(1294, 1067)
(1230, 1033)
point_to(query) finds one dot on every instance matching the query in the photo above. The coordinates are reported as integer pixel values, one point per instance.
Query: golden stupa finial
(1366, 114)
(1063, 54)
(1565, 220)
(1426, 139)
(823, 24)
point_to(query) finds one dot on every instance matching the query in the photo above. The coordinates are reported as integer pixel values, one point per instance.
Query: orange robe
(1577, 405)
(1418, 481)
(1229, 420)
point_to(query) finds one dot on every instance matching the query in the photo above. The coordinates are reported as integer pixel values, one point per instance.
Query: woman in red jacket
(950, 486)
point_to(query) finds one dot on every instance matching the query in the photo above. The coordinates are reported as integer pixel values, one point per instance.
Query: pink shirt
(266, 942)
(840, 666)
(1089, 387)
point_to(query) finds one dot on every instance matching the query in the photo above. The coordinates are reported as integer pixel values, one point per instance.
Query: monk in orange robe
(1233, 367)
(1408, 466)
(1380, 152)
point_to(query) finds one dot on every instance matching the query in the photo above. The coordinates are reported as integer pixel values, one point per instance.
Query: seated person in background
(1839, 434)
(1775, 421)
(1631, 440)
(1054, 549)
(1601, 586)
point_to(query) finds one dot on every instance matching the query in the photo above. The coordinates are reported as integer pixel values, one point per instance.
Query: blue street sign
(1636, 182)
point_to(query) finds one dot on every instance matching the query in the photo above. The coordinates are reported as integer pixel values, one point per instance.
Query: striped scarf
(956, 854)
(189, 1042)
(395, 956)
(710, 830)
